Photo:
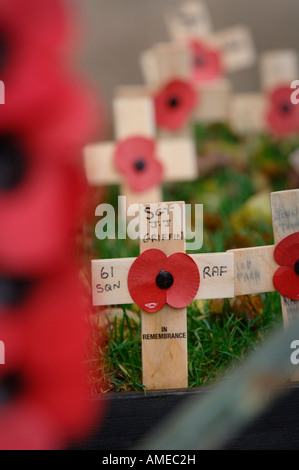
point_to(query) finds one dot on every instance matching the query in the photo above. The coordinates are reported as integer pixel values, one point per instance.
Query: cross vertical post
(165, 362)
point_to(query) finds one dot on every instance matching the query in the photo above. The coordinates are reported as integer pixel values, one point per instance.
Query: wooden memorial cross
(134, 117)
(278, 68)
(166, 62)
(255, 267)
(191, 21)
(164, 332)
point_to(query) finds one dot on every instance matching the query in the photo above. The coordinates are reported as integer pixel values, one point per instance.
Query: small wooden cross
(191, 20)
(255, 267)
(236, 272)
(134, 117)
(248, 110)
(164, 333)
(165, 62)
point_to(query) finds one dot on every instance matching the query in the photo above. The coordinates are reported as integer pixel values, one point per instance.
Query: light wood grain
(165, 62)
(216, 275)
(278, 67)
(164, 361)
(213, 101)
(254, 269)
(237, 47)
(178, 157)
(134, 116)
(247, 113)
(99, 166)
(189, 20)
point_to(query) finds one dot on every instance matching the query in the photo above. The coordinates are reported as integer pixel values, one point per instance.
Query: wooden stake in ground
(164, 332)
(134, 117)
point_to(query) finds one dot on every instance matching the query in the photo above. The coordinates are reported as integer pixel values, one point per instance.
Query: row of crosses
(163, 280)
(221, 275)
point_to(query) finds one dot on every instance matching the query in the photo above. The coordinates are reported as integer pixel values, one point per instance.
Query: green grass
(220, 333)
(216, 342)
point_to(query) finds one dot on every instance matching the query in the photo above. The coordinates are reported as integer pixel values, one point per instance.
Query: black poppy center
(286, 107)
(12, 163)
(296, 267)
(174, 102)
(10, 387)
(164, 280)
(140, 164)
(3, 51)
(13, 291)
(199, 61)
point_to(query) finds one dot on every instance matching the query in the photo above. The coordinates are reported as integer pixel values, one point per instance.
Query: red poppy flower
(155, 279)
(135, 158)
(174, 104)
(286, 278)
(39, 207)
(283, 115)
(45, 377)
(50, 31)
(207, 64)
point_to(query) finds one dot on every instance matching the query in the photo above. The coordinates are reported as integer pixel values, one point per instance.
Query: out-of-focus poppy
(174, 104)
(282, 116)
(135, 158)
(207, 63)
(47, 376)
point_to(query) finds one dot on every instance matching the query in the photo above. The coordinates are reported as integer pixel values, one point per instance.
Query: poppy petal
(151, 176)
(128, 151)
(134, 157)
(186, 280)
(282, 116)
(142, 280)
(174, 104)
(286, 282)
(207, 63)
(286, 252)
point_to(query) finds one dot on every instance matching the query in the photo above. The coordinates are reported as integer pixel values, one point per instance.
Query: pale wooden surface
(99, 166)
(178, 156)
(216, 278)
(237, 47)
(216, 275)
(134, 116)
(285, 217)
(254, 269)
(189, 20)
(165, 62)
(247, 112)
(164, 361)
(154, 194)
(278, 67)
(214, 101)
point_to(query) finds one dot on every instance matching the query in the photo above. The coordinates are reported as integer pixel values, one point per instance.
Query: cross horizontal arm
(178, 157)
(237, 47)
(99, 166)
(109, 278)
(254, 269)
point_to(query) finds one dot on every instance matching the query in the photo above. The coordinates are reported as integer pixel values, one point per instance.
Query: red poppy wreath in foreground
(283, 116)
(135, 157)
(174, 104)
(207, 63)
(286, 278)
(155, 279)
